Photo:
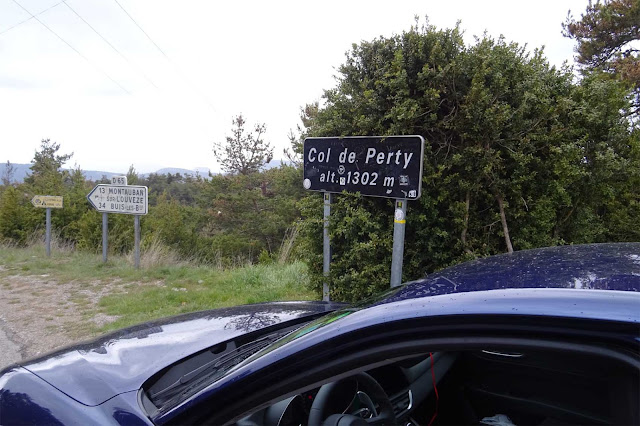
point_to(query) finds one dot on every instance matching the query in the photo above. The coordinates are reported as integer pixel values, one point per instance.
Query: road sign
(47, 201)
(127, 199)
(376, 166)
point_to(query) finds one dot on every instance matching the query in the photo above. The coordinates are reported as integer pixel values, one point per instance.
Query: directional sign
(47, 201)
(127, 199)
(377, 166)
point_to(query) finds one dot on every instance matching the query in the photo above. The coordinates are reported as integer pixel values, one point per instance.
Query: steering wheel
(368, 393)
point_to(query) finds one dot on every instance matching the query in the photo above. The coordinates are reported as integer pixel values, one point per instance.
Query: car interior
(492, 386)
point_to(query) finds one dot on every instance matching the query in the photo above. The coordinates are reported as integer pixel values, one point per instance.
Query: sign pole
(326, 249)
(48, 232)
(136, 232)
(399, 223)
(105, 241)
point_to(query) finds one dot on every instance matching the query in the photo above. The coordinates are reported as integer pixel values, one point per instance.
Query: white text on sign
(373, 156)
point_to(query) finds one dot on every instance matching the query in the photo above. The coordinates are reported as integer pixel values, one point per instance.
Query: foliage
(607, 35)
(46, 176)
(12, 224)
(7, 174)
(307, 117)
(517, 156)
(255, 209)
(243, 153)
(132, 176)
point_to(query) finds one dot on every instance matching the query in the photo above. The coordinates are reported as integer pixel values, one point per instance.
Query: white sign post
(122, 199)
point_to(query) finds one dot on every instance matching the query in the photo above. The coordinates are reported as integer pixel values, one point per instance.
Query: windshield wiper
(208, 370)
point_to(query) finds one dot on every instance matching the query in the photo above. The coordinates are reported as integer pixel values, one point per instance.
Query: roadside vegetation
(154, 291)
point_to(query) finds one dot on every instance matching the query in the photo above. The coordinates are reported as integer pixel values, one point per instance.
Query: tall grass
(38, 238)
(155, 254)
(288, 242)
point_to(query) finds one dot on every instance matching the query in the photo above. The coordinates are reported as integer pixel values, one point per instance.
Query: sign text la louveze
(376, 166)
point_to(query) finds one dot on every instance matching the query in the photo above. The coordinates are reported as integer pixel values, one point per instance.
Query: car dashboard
(407, 384)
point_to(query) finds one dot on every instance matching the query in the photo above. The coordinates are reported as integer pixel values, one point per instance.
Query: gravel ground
(39, 314)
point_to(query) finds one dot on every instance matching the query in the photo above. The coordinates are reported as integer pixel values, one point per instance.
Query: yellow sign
(47, 201)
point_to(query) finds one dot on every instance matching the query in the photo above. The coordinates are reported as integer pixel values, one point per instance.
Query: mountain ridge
(21, 171)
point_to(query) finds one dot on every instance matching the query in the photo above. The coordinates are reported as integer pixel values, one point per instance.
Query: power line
(110, 45)
(73, 48)
(187, 81)
(28, 19)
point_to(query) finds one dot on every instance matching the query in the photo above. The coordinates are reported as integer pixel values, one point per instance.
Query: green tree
(517, 155)
(46, 175)
(12, 216)
(243, 152)
(132, 176)
(255, 210)
(7, 174)
(307, 118)
(607, 34)
(75, 192)
(177, 225)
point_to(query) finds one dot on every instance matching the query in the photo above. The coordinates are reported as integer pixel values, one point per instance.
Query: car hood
(611, 266)
(94, 372)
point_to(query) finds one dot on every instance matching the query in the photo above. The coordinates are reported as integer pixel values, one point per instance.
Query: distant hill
(204, 172)
(21, 171)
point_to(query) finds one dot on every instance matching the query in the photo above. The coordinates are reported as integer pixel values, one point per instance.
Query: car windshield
(195, 379)
(323, 321)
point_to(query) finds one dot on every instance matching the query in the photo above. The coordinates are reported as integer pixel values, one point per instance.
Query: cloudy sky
(158, 81)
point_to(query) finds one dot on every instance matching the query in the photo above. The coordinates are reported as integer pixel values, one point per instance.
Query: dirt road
(39, 314)
(9, 350)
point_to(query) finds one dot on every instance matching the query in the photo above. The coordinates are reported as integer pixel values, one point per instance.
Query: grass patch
(199, 288)
(157, 290)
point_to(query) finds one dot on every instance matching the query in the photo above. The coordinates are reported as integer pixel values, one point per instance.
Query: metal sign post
(105, 235)
(136, 239)
(399, 222)
(374, 166)
(326, 247)
(48, 202)
(47, 237)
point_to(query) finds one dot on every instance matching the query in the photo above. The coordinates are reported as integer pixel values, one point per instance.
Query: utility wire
(184, 79)
(28, 19)
(73, 48)
(110, 45)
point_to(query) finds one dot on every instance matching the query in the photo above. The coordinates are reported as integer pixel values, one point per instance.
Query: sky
(159, 81)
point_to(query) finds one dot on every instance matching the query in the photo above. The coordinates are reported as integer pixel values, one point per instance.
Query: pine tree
(243, 152)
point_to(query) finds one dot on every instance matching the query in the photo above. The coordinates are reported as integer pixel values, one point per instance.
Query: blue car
(539, 337)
